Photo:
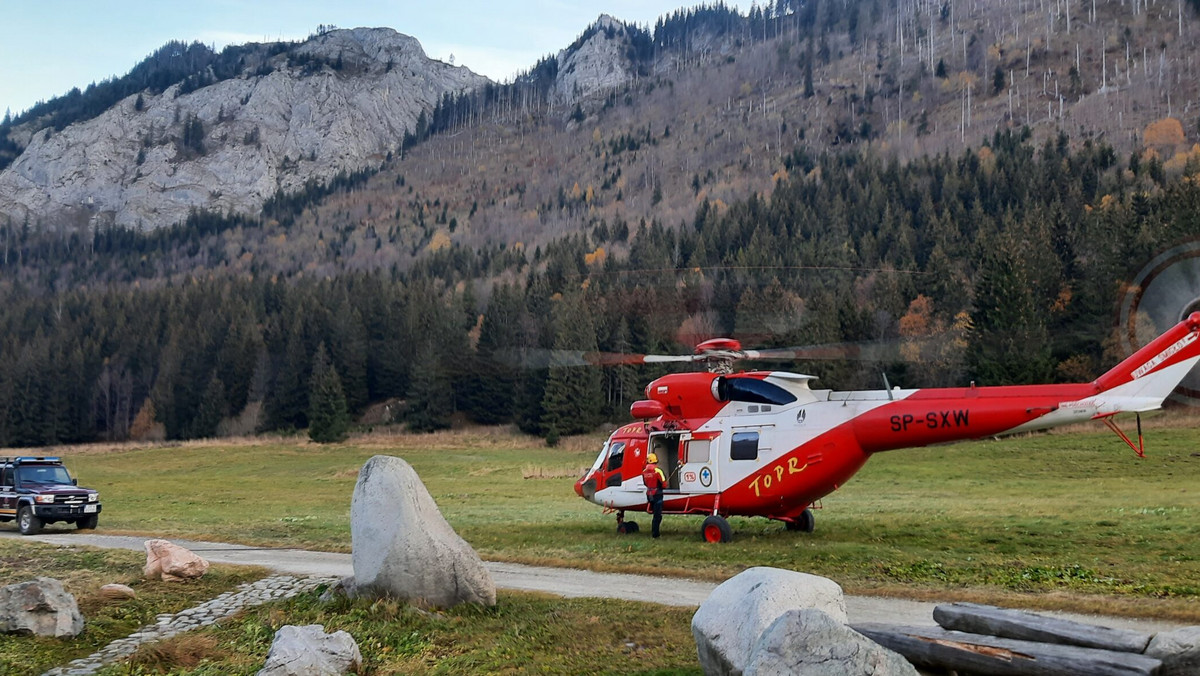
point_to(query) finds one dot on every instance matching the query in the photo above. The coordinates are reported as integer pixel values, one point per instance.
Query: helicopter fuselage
(763, 443)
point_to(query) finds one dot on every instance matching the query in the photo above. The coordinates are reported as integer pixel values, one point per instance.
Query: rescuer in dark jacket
(655, 482)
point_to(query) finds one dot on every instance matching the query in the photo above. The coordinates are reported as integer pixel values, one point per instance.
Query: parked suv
(38, 490)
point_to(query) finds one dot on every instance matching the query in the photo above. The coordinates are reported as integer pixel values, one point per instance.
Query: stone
(812, 643)
(117, 592)
(341, 589)
(172, 562)
(729, 623)
(40, 607)
(309, 651)
(1179, 651)
(401, 546)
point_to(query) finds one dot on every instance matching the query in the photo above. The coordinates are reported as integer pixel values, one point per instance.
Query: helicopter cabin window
(744, 446)
(616, 456)
(698, 450)
(751, 390)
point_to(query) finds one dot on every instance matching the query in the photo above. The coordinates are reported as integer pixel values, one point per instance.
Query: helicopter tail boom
(1144, 380)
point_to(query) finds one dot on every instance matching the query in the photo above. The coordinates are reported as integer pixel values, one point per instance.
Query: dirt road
(558, 581)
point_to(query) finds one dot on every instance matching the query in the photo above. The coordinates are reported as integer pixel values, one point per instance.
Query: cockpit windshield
(43, 474)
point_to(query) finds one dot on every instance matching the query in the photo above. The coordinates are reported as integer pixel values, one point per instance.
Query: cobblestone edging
(168, 625)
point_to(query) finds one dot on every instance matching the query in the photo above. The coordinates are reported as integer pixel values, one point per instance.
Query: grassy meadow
(1069, 520)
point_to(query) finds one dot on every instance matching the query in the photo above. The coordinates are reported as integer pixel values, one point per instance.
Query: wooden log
(974, 618)
(939, 648)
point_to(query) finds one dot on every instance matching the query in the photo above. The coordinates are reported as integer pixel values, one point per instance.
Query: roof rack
(27, 459)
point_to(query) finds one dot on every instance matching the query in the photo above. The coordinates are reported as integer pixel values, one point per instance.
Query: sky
(53, 45)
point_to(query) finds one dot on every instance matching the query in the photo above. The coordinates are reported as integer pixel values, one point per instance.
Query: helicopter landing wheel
(716, 529)
(627, 527)
(805, 523)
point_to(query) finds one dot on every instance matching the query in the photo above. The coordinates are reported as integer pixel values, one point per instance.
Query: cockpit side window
(616, 456)
(752, 390)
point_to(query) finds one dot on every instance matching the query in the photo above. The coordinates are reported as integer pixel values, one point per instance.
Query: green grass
(83, 570)
(1065, 520)
(523, 633)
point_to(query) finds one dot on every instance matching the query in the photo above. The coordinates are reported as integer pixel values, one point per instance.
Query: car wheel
(27, 522)
(88, 522)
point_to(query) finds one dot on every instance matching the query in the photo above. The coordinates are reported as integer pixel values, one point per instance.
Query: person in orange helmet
(655, 482)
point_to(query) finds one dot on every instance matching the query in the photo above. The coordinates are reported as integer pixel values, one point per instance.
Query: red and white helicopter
(765, 443)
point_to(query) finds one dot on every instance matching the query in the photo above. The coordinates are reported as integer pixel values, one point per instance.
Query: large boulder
(812, 643)
(730, 621)
(401, 545)
(40, 607)
(1179, 651)
(309, 651)
(172, 562)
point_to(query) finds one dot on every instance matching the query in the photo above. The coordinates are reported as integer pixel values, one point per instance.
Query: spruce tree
(430, 396)
(1009, 343)
(213, 408)
(573, 394)
(327, 416)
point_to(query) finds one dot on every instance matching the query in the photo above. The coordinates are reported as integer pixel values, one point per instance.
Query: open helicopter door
(698, 463)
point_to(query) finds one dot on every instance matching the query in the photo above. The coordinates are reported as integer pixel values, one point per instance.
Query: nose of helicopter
(585, 487)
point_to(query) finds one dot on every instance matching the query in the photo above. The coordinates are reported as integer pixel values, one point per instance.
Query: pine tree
(327, 416)
(286, 402)
(212, 409)
(430, 396)
(1009, 344)
(573, 394)
(489, 396)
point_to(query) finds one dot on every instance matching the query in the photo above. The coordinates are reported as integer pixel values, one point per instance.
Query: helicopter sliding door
(698, 463)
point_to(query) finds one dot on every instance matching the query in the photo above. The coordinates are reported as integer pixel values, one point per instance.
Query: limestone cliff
(339, 101)
(599, 60)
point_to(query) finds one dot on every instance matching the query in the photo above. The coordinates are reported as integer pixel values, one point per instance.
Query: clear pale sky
(50, 46)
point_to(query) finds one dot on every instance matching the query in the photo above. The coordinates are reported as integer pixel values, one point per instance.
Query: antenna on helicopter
(886, 386)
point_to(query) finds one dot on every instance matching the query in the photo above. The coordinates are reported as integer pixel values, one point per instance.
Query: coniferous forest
(1010, 258)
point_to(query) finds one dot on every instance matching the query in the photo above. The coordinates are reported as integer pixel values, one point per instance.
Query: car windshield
(43, 474)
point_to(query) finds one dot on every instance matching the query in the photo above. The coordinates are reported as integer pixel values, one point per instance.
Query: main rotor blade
(914, 350)
(541, 358)
(876, 351)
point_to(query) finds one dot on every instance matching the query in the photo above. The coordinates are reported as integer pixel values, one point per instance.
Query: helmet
(652, 458)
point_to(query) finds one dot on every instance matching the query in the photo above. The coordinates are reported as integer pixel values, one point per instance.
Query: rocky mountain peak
(368, 48)
(337, 102)
(597, 60)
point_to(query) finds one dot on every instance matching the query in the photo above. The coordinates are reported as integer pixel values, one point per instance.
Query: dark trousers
(656, 503)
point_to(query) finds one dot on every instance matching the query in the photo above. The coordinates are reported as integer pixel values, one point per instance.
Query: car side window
(5, 476)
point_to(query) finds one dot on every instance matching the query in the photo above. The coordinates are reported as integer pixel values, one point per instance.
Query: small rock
(117, 592)
(40, 607)
(172, 562)
(309, 651)
(341, 588)
(1179, 651)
